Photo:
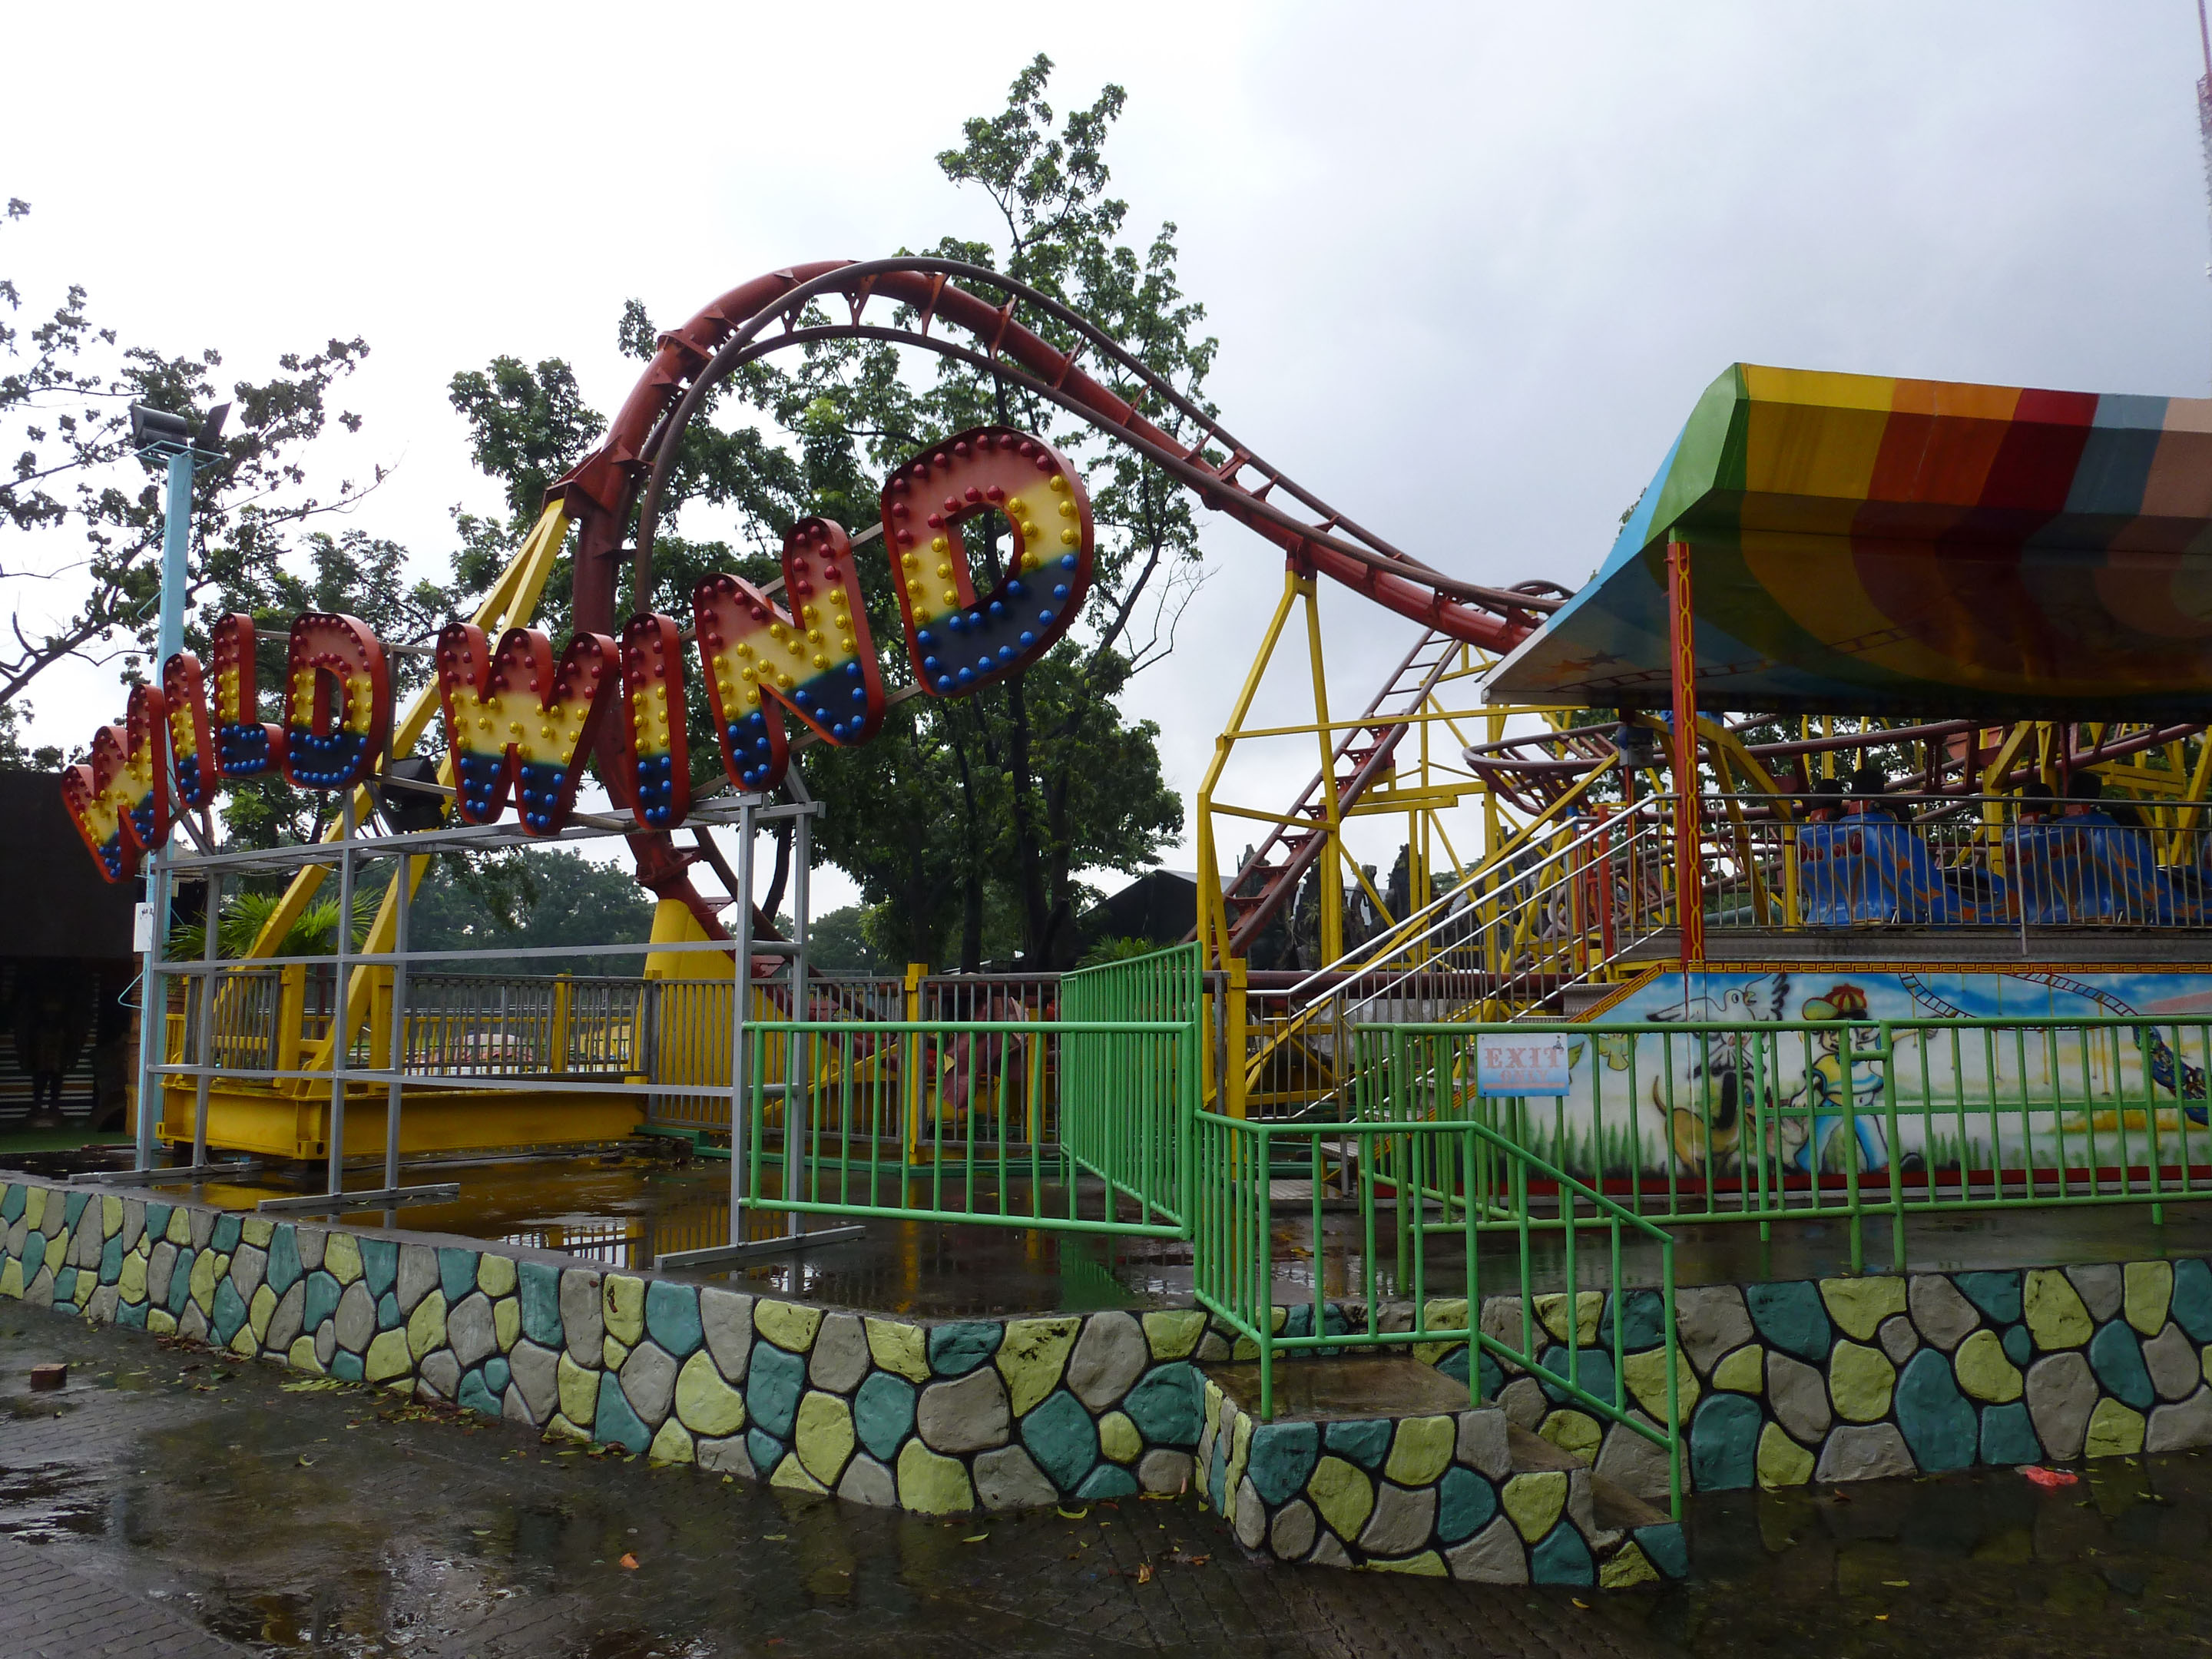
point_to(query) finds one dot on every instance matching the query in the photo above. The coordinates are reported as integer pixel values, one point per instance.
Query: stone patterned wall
(1442, 1496)
(1847, 1379)
(1782, 1384)
(938, 1417)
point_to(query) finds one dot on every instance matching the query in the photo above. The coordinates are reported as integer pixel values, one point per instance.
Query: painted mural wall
(1803, 1093)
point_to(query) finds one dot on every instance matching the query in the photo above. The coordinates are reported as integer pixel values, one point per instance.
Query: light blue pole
(152, 990)
(176, 538)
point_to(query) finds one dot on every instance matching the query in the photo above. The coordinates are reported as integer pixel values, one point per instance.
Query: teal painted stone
(320, 1303)
(956, 1350)
(2008, 1434)
(229, 1312)
(1592, 1371)
(671, 1316)
(1644, 1322)
(73, 1206)
(1724, 1441)
(387, 1311)
(1937, 1422)
(1062, 1438)
(181, 1280)
(1561, 1558)
(1108, 1481)
(617, 1424)
(1283, 1456)
(477, 1395)
(227, 1233)
(1790, 1317)
(1665, 1547)
(1493, 1378)
(2019, 1346)
(2191, 1306)
(1364, 1444)
(1996, 1294)
(11, 1206)
(110, 1260)
(65, 1285)
(456, 1272)
(157, 1220)
(497, 1374)
(284, 1270)
(2115, 1356)
(1464, 1504)
(766, 1451)
(772, 1386)
(1168, 1406)
(539, 1287)
(1297, 1320)
(882, 1413)
(1217, 1478)
(132, 1313)
(1453, 1364)
(346, 1367)
(380, 1264)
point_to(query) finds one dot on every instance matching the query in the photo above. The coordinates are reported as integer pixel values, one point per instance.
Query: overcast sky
(1470, 265)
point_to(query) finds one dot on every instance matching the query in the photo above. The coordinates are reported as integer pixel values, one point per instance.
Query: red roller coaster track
(629, 468)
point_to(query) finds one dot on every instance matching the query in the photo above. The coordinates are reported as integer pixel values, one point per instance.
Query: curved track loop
(648, 428)
(768, 314)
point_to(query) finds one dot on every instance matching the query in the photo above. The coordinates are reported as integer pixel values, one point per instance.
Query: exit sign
(1510, 1064)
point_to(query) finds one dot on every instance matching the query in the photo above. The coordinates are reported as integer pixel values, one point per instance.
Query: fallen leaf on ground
(1072, 1515)
(2042, 1477)
(1579, 1602)
(629, 1562)
(1898, 1583)
(976, 1537)
(306, 1462)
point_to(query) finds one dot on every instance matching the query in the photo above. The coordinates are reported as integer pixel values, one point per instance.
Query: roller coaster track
(784, 310)
(1271, 873)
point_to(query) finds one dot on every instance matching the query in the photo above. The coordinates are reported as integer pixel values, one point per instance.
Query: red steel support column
(1689, 839)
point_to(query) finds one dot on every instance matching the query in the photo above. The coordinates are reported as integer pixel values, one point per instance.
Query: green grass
(58, 1140)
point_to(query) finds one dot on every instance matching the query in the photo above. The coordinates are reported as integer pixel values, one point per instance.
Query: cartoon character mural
(1813, 1102)
(1718, 1071)
(1846, 1075)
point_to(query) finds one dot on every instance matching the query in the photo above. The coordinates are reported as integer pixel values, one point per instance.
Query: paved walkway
(48, 1610)
(175, 1502)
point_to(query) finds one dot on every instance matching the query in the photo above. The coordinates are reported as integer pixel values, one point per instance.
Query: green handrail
(1237, 1258)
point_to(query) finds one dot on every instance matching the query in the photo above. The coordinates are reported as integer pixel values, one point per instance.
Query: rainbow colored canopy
(1908, 547)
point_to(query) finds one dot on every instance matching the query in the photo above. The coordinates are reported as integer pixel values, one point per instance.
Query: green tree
(84, 514)
(840, 942)
(962, 808)
(565, 900)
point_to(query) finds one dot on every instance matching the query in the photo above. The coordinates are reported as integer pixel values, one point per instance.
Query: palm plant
(314, 934)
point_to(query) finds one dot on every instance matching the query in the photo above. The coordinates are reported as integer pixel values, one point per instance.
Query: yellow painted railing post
(913, 1084)
(1233, 1022)
(380, 1015)
(564, 990)
(291, 1018)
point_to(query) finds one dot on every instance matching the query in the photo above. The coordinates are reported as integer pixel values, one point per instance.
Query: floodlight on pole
(156, 435)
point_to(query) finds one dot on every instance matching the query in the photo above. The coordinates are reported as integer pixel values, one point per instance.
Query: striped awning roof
(1863, 544)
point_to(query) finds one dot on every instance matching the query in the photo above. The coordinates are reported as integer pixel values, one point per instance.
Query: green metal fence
(1077, 1122)
(1128, 1093)
(1710, 1121)
(1249, 1260)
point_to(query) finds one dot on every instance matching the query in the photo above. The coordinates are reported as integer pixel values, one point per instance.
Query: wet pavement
(171, 1500)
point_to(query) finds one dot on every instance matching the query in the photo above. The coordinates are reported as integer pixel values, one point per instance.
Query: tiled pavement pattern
(347, 1522)
(49, 1611)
